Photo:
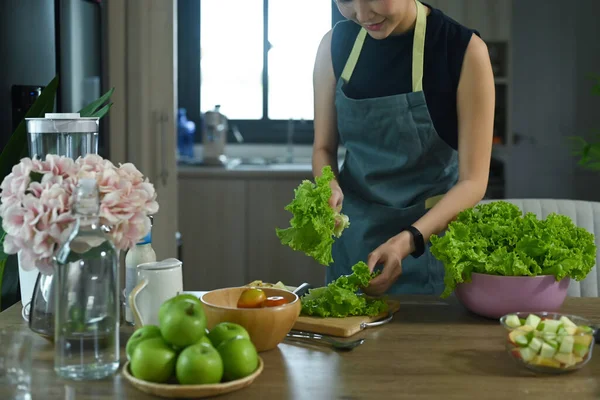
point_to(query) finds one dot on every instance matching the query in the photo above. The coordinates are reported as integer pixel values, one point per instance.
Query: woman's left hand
(390, 254)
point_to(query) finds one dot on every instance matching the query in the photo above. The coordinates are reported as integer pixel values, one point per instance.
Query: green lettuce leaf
(313, 225)
(497, 239)
(339, 299)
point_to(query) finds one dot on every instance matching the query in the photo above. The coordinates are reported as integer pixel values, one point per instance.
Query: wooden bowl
(267, 326)
(177, 391)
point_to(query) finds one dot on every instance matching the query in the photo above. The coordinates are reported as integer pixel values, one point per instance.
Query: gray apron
(396, 168)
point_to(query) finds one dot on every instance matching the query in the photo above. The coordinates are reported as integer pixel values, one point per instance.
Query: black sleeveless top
(384, 66)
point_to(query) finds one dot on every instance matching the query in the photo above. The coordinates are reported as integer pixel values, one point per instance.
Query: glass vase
(66, 135)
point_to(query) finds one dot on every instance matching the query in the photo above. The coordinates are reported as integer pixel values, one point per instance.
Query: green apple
(184, 296)
(226, 330)
(183, 323)
(199, 364)
(205, 339)
(153, 360)
(239, 356)
(144, 333)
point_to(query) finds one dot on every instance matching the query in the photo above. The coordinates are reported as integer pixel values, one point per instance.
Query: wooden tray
(341, 327)
(175, 391)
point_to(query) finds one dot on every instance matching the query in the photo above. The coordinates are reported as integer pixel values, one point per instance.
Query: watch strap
(418, 240)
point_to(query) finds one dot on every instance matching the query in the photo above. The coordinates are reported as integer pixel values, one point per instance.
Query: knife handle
(302, 289)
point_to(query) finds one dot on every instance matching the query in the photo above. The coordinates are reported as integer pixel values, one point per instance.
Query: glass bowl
(549, 342)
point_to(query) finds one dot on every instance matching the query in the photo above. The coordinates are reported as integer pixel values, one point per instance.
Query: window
(256, 61)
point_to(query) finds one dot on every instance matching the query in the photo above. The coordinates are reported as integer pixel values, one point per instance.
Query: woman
(410, 94)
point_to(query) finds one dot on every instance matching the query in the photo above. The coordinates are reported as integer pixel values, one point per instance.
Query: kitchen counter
(432, 349)
(297, 171)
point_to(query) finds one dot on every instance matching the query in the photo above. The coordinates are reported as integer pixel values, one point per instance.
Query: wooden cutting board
(341, 327)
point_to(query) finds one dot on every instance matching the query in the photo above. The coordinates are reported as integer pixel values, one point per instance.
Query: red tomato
(275, 301)
(252, 298)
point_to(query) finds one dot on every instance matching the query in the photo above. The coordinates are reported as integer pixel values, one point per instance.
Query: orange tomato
(275, 301)
(252, 298)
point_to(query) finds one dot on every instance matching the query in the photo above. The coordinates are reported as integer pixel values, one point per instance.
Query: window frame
(261, 131)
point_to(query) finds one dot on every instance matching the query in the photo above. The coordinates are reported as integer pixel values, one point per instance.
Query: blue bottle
(186, 131)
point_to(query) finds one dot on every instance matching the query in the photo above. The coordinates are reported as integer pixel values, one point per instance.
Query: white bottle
(140, 254)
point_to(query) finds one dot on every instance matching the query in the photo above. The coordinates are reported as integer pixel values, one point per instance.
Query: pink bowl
(493, 296)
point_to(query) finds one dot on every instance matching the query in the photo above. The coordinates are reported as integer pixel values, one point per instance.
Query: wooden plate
(176, 391)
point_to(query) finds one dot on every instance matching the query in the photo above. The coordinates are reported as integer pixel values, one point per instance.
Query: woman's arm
(476, 102)
(475, 108)
(325, 120)
(325, 145)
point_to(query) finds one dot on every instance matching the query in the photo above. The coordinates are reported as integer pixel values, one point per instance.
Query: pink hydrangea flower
(36, 202)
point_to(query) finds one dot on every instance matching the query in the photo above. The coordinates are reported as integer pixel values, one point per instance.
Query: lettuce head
(497, 239)
(314, 225)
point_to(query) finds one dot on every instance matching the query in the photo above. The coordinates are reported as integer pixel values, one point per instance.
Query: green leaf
(496, 239)
(103, 111)
(3, 256)
(313, 225)
(339, 299)
(17, 144)
(90, 109)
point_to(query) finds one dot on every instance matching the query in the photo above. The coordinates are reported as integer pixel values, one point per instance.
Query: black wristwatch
(419, 241)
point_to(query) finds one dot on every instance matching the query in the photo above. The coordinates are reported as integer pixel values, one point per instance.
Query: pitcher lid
(168, 263)
(62, 123)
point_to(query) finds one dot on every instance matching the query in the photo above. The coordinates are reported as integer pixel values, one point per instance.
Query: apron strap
(419, 47)
(353, 57)
(418, 50)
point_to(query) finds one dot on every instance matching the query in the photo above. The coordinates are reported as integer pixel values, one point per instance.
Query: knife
(302, 289)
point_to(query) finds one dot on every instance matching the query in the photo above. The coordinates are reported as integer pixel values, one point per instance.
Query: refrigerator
(40, 39)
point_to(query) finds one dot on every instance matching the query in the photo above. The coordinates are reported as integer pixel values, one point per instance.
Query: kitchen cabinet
(268, 259)
(212, 222)
(228, 224)
(141, 44)
(490, 17)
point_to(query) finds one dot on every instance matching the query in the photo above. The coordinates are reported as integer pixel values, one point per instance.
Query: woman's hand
(337, 196)
(390, 254)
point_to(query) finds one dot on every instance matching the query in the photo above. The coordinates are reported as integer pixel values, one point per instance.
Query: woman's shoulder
(343, 35)
(448, 39)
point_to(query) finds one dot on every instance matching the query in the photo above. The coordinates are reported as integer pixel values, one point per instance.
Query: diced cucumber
(567, 322)
(522, 320)
(585, 340)
(540, 327)
(565, 358)
(571, 330)
(553, 343)
(551, 325)
(532, 320)
(566, 345)
(549, 336)
(545, 362)
(535, 344)
(547, 351)
(529, 336)
(580, 350)
(522, 341)
(513, 321)
(527, 354)
(561, 331)
(584, 329)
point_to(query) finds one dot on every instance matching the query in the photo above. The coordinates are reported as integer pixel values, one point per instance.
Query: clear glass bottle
(140, 254)
(86, 328)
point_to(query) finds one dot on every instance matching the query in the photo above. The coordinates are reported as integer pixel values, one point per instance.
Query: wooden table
(431, 350)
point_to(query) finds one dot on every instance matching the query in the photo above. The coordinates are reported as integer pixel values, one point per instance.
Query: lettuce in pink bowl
(497, 239)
